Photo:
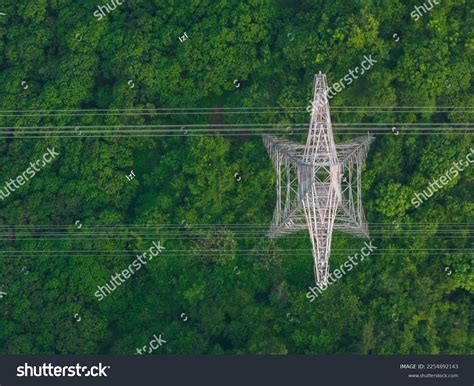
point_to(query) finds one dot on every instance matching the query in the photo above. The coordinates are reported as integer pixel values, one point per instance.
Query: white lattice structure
(318, 184)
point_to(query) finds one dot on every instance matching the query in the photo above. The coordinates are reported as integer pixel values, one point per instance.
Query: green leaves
(241, 292)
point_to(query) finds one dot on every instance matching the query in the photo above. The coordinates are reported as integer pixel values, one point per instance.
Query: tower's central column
(321, 201)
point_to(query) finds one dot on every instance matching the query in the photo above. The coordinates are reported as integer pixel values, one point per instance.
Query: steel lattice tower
(318, 184)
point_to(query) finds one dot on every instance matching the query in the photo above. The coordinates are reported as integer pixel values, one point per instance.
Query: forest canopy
(221, 286)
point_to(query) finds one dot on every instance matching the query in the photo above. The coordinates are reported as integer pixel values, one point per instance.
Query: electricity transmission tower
(318, 184)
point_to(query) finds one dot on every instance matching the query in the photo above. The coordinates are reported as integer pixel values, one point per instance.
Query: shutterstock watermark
(28, 174)
(416, 13)
(118, 278)
(447, 177)
(150, 347)
(100, 14)
(339, 272)
(345, 81)
(48, 370)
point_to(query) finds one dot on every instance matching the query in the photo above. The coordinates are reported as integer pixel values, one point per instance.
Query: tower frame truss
(318, 184)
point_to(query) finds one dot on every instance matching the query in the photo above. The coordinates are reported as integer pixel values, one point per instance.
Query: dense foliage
(241, 292)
